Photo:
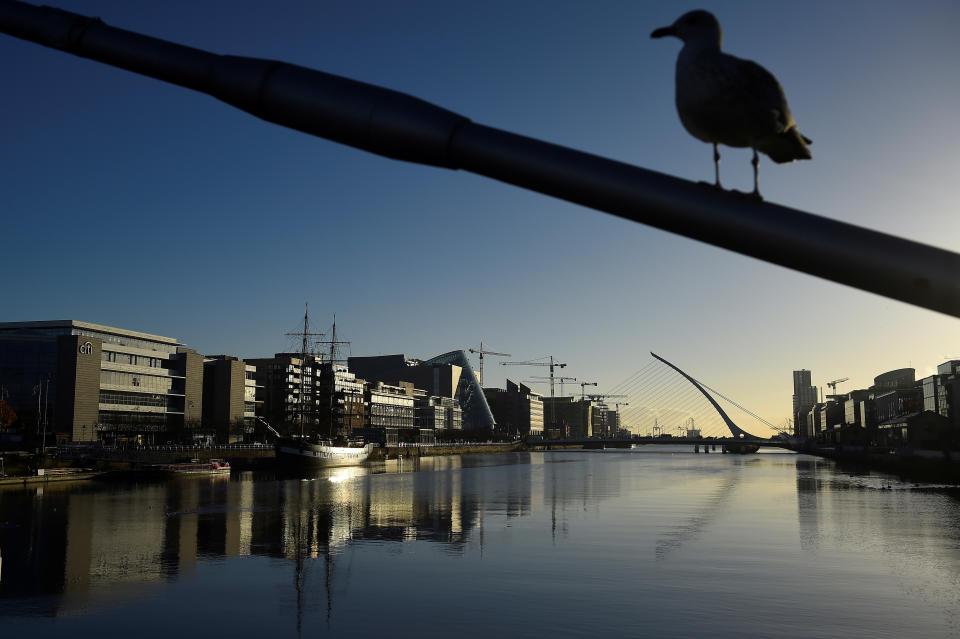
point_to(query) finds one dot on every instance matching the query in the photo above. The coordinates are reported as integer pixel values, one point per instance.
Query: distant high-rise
(804, 398)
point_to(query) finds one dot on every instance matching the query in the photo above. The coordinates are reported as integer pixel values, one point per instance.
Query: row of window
(385, 422)
(134, 399)
(129, 358)
(376, 398)
(386, 409)
(116, 421)
(149, 383)
(123, 340)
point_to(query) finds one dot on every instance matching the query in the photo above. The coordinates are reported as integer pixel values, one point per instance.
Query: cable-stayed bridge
(662, 399)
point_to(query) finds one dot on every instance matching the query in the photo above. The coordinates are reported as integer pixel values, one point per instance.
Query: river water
(656, 542)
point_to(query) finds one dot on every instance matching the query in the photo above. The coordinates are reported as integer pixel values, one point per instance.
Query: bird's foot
(713, 185)
(747, 195)
(743, 195)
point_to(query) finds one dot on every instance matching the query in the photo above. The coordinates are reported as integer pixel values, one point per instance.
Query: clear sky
(133, 203)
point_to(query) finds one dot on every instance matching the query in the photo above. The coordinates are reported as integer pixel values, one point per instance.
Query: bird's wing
(762, 96)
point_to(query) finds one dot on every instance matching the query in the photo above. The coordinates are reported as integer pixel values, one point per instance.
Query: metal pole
(403, 127)
(46, 400)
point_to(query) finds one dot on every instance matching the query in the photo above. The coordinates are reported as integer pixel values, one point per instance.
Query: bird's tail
(787, 146)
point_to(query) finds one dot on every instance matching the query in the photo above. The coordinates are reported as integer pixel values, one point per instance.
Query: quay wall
(239, 456)
(915, 464)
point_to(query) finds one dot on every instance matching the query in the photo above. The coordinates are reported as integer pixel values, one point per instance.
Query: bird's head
(699, 27)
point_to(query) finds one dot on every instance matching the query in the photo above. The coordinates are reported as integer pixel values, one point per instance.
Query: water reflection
(699, 521)
(420, 536)
(810, 484)
(67, 547)
(912, 534)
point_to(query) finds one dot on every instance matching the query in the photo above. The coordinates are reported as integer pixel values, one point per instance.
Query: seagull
(722, 99)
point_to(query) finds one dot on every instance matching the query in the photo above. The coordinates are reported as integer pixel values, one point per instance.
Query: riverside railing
(403, 127)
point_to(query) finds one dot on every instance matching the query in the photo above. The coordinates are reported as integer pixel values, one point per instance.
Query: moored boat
(196, 467)
(302, 451)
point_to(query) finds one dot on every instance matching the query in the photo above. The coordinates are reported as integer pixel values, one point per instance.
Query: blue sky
(134, 203)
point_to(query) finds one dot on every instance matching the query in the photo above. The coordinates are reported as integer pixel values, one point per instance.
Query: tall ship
(319, 453)
(313, 449)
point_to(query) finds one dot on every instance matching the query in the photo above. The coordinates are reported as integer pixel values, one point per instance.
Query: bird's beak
(663, 32)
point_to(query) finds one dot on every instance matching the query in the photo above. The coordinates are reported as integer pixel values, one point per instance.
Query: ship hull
(302, 453)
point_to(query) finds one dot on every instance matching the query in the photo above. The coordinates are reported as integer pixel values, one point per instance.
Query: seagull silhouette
(722, 99)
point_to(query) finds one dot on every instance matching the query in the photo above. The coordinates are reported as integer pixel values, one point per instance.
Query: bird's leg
(716, 166)
(756, 170)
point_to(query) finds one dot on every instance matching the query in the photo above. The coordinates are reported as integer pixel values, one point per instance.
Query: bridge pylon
(736, 431)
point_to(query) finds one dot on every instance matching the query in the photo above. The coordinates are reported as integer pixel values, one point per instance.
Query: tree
(7, 416)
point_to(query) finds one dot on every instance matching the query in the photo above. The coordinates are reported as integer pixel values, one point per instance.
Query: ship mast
(332, 359)
(303, 360)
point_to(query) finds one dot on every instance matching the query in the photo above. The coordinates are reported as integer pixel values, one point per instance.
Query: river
(656, 542)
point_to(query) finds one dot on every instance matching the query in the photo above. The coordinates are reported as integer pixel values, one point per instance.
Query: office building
(80, 381)
(804, 398)
(566, 417)
(229, 399)
(291, 398)
(446, 375)
(343, 395)
(437, 413)
(518, 410)
(390, 412)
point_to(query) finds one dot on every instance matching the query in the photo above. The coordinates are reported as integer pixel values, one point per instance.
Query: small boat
(320, 453)
(196, 467)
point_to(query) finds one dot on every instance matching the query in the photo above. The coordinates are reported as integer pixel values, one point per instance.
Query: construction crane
(482, 353)
(552, 364)
(601, 396)
(833, 385)
(559, 379)
(583, 386)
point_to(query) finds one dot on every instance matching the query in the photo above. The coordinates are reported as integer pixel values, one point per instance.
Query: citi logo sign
(86, 348)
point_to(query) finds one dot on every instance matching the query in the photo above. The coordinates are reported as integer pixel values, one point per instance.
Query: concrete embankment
(47, 478)
(239, 456)
(913, 464)
(121, 462)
